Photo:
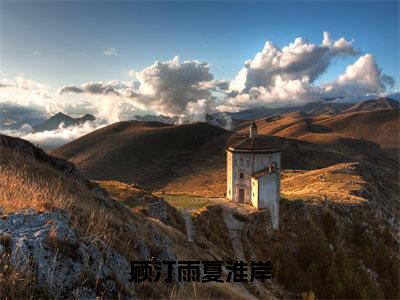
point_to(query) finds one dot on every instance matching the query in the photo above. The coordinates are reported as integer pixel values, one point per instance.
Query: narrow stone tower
(253, 174)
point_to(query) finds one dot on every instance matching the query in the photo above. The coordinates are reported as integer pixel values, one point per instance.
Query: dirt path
(188, 225)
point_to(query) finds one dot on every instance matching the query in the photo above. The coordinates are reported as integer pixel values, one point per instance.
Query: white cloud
(300, 60)
(278, 77)
(361, 78)
(274, 77)
(110, 52)
(132, 73)
(54, 138)
(163, 88)
(196, 111)
(60, 136)
(105, 88)
(167, 87)
(26, 92)
(21, 82)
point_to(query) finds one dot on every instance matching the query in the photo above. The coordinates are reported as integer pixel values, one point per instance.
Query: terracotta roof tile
(253, 144)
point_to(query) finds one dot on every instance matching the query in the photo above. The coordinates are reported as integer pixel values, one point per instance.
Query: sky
(60, 43)
(117, 59)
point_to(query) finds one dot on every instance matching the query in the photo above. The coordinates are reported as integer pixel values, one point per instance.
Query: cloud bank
(364, 77)
(54, 138)
(273, 77)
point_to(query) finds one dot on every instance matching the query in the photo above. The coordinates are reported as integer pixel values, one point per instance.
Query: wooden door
(241, 195)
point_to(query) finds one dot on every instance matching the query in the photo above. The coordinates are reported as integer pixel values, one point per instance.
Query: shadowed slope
(150, 153)
(187, 158)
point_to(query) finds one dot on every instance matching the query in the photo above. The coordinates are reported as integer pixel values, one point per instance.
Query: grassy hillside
(372, 104)
(191, 158)
(149, 153)
(48, 186)
(337, 236)
(379, 126)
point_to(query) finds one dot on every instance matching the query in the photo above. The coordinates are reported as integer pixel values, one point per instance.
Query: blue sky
(61, 43)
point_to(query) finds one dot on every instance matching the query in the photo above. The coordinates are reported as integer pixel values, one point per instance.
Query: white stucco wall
(229, 170)
(269, 196)
(254, 192)
(266, 188)
(246, 163)
(242, 163)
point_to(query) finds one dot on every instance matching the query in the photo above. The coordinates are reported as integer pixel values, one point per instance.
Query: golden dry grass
(186, 202)
(27, 183)
(121, 190)
(17, 285)
(336, 183)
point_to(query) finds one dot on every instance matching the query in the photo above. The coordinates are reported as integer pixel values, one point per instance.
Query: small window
(229, 192)
(241, 175)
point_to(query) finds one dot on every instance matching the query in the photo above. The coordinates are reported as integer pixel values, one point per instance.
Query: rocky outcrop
(159, 209)
(63, 261)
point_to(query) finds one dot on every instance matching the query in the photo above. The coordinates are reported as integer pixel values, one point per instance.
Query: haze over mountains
(50, 135)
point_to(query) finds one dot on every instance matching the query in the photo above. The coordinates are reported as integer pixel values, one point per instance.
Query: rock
(45, 245)
(158, 210)
(142, 251)
(169, 255)
(84, 293)
(161, 241)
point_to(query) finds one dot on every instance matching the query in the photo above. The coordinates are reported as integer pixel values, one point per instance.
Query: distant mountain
(395, 95)
(313, 108)
(157, 118)
(13, 116)
(372, 104)
(54, 122)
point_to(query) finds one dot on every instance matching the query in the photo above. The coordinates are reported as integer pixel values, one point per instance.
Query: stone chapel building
(253, 174)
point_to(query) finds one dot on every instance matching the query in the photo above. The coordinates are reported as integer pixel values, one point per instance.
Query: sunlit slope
(379, 126)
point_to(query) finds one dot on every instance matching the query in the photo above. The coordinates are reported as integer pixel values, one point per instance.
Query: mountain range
(55, 121)
(190, 158)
